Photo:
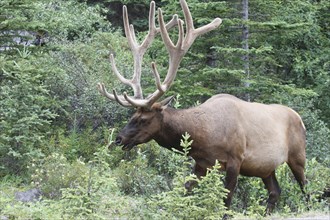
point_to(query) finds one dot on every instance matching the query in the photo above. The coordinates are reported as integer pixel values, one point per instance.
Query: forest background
(56, 129)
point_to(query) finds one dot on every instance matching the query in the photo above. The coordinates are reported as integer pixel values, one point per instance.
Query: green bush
(251, 196)
(204, 202)
(93, 190)
(80, 66)
(74, 144)
(165, 162)
(135, 177)
(54, 173)
(25, 113)
(91, 193)
(318, 137)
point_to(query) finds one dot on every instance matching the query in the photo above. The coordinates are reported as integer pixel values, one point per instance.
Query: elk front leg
(232, 172)
(199, 171)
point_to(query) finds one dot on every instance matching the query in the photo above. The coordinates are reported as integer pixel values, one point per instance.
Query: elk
(250, 139)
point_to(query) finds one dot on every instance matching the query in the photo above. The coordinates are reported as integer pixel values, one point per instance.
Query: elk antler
(176, 53)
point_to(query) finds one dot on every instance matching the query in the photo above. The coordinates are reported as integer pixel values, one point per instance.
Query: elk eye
(144, 119)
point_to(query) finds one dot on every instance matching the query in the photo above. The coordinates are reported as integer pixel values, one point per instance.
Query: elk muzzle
(119, 141)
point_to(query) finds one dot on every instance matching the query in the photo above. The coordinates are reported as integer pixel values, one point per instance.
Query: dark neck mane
(174, 125)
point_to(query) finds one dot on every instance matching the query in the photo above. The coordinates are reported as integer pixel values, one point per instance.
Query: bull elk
(251, 139)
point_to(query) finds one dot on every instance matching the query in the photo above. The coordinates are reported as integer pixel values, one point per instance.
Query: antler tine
(163, 32)
(120, 99)
(152, 27)
(187, 16)
(130, 35)
(193, 33)
(157, 77)
(115, 70)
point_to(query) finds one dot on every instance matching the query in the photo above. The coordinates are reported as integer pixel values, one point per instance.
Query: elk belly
(261, 163)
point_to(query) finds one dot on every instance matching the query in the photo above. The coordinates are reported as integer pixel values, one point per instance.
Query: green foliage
(145, 170)
(205, 201)
(165, 162)
(94, 192)
(292, 200)
(54, 172)
(24, 111)
(84, 200)
(91, 193)
(31, 80)
(251, 197)
(85, 191)
(68, 20)
(134, 177)
(318, 137)
(15, 22)
(78, 72)
(74, 144)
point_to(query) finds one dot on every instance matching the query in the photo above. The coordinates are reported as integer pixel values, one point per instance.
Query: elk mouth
(125, 146)
(128, 147)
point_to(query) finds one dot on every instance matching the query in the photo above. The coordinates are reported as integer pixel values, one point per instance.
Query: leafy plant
(135, 177)
(205, 201)
(55, 172)
(250, 197)
(85, 191)
(24, 112)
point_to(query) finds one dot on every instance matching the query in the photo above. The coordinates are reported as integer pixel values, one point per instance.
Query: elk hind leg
(274, 191)
(297, 166)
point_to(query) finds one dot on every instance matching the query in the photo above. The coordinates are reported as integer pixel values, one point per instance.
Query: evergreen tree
(16, 23)
(31, 81)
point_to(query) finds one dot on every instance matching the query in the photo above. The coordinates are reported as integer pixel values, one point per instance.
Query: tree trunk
(245, 41)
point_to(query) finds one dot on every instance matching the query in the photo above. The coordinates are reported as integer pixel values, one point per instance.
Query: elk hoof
(226, 217)
(269, 209)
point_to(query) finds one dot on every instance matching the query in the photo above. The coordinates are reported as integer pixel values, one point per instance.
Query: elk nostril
(118, 140)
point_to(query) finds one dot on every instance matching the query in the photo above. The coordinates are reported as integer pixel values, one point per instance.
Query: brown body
(260, 137)
(246, 138)
(251, 139)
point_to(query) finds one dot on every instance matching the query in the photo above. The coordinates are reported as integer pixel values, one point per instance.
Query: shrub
(25, 112)
(166, 162)
(135, 177)
(251, 196)
(55, 172)
(145, 170)
(94, 196)
(204, 202)
(74, 144)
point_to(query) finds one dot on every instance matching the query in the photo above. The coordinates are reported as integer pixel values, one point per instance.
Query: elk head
(148, 118)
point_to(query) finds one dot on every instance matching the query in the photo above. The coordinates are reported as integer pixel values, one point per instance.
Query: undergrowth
(148, 183)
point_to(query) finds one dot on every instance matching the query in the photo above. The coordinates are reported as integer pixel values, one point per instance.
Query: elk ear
(159, 106)
(167, 101)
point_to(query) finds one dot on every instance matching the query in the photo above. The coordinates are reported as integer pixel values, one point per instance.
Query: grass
(110, 202)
